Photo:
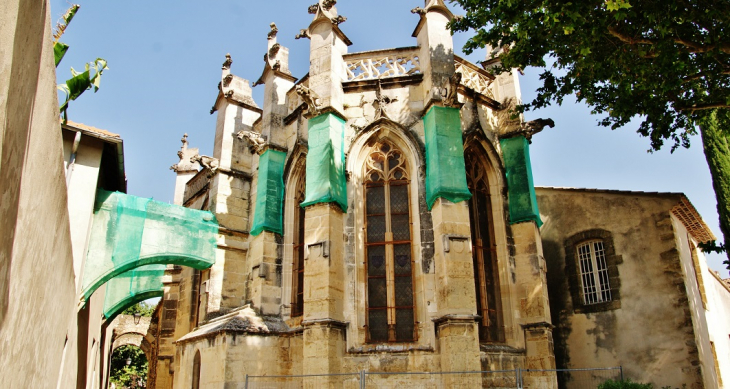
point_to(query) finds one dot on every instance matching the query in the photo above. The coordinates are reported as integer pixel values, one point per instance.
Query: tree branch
(703, 74)
(628, 39)
(692, 47)
(702, 107)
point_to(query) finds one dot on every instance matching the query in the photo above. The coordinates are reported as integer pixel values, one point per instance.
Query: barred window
(594, 272)
(388, 267)
(297, 297)
(484, 249)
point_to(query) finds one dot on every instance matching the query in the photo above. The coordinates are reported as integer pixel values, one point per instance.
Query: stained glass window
(390, 303)
(484, 249)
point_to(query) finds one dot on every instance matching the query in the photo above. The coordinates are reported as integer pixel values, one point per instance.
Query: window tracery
(388, 246)
(484, 249)
(297, 295)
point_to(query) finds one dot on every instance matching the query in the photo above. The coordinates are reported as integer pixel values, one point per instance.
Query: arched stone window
(388, 251)
(297, 289)
(196, 371)
(484, 250)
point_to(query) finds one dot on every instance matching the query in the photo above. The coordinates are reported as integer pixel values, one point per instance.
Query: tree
(144, 309)
(666, 62)
(132, 375)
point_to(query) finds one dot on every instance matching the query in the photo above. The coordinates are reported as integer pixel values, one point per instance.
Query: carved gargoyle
(228, 62)
(449, 93)
(273, 50)
(256, 140)
(227, 79)
(418, 10)
(210, 163)
(309, 98)
(528, 129)
(381, 102)
(304, 33)
(274, 30)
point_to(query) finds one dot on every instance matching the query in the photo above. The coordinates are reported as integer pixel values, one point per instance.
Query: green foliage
(133, 375)
(716, 141)
(665, 62)
(145, 309)
(628, 384)
(81, 81)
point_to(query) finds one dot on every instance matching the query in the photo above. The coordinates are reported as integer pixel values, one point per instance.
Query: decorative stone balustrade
(474, 78)
(371, 65)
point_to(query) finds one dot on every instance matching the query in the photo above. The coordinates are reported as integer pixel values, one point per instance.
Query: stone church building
(378, 214)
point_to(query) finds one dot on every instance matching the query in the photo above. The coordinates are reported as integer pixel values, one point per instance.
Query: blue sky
(165, 58)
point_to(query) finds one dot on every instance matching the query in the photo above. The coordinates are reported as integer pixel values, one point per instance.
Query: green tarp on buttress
(131, 287)
(326, 162)
(445, 171)
(268, 214)
(130, 231)
(521, 189)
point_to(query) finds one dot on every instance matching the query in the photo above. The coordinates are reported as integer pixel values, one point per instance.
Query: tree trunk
(716, 144)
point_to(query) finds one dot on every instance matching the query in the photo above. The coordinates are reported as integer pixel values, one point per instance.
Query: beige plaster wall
(694, 285)
(34, 221)
(651, 334)
(718, 320)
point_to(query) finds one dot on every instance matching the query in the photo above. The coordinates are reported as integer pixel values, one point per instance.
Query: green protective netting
(130, 231)
(522, 198)
(268, 214)
(326, 162)
(131, 287)
(445, 171)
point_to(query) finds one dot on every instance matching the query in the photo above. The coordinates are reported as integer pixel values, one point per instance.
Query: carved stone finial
(327, 4)
(449, 93)
(210, 163)
(274, 30)
(255, 140)
(228, 62)
(312, 9)
(309, 98)
(338, 20)
(184, 154)
(303, 34)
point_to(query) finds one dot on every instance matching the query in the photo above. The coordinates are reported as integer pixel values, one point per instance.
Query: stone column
(266, 231)
(326, 197)
(230, 186)
(446, 190)
(530, 263)
(185, 169)
(267, 227)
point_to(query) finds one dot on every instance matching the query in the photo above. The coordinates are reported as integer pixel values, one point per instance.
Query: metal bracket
(325, 248)
(447, 238)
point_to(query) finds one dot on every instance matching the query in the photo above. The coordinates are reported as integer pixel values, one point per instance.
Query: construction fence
(499, 379)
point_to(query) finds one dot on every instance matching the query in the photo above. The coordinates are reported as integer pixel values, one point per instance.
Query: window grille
(594, 272)
(389, 270)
